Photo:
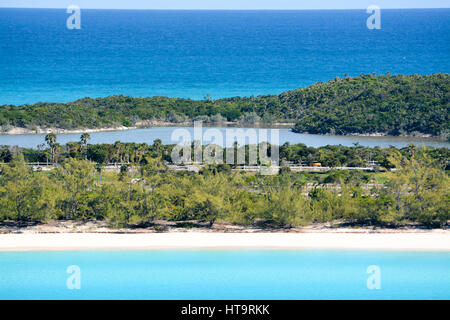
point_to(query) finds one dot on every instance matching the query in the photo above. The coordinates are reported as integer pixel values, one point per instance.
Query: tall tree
(157, 144)
(51, 141)
(84, 139)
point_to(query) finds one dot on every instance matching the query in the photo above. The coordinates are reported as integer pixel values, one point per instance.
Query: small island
(400, 105)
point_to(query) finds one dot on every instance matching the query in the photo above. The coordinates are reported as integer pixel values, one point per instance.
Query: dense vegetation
(297, 154)
(417, 192)
(394, 105)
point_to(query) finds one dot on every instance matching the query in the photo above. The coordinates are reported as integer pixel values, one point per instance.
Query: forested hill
(394, 105)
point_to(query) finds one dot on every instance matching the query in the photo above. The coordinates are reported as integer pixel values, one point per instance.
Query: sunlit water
(170, 135)
(192, 53)
(225, 274)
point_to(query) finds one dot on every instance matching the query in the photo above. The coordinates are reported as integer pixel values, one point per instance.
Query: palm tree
(83, 139)
(57, 149)
(51, 141)
(118, 151)
(139, 153)
(157, 144)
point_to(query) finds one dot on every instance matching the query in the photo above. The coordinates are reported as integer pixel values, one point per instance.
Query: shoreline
(140, 125)
(430, 241)
(149, 124)
(26, 131)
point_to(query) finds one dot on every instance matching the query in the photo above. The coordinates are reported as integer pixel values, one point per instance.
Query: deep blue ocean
(225, 274)
(195, 53)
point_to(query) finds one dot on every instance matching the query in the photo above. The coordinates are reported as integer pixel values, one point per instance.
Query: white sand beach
(437, 240)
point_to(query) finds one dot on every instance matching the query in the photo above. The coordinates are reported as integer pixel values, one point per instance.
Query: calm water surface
(192, 53)
(168, 136)
(225, 274)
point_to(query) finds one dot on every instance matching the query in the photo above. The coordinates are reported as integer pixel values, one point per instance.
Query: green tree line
(417, 192)
(394, 105)
(142, 153)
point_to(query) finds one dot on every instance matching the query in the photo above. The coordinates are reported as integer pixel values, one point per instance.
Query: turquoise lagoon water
(225, 274)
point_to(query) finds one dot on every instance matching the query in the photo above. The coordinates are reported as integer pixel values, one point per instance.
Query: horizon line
(218, 9)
